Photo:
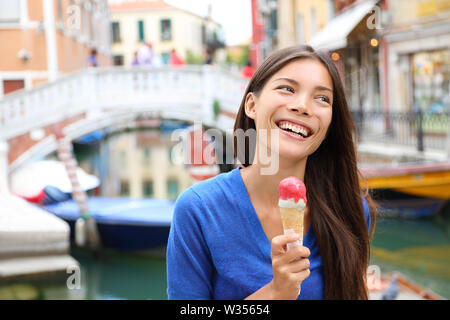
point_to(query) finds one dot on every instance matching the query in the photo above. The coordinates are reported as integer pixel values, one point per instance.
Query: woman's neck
(265, 187)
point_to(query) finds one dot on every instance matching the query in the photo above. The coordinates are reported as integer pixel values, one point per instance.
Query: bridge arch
(93, 99)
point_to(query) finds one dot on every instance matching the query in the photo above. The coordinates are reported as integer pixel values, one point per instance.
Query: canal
(126, 162)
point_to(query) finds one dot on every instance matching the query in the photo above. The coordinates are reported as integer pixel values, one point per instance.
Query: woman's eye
(324, 99)
(286, 88)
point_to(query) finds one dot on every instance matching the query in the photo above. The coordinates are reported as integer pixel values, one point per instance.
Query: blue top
(217, 248)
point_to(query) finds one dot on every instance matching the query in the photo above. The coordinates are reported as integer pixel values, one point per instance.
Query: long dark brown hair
(332, 180)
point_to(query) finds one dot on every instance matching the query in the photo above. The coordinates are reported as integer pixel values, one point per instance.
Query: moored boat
(395, 286)
(409, 190)
(45, 181)
(124, 224)
(424, 180)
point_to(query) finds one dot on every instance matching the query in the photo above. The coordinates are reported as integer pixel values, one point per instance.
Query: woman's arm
(265, 293)
(189, 266)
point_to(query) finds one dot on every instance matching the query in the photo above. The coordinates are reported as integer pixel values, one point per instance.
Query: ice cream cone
(292, 220)
(292, 205)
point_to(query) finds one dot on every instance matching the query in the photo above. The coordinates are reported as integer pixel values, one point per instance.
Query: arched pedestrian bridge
(93, 99)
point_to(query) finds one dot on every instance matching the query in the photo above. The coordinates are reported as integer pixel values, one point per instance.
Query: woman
(226, 239)
(92, 59)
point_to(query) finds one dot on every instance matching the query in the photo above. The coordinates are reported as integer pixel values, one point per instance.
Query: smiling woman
(226, 239)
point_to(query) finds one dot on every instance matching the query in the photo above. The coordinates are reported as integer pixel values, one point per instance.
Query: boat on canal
(396, 286)
(124, 224)
(410, 190)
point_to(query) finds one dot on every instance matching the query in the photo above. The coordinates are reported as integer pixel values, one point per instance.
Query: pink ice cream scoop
(292, 188)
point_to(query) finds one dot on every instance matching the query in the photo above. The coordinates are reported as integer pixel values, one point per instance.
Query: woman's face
(297, 101)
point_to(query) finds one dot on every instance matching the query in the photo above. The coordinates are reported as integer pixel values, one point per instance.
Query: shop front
(430, 81)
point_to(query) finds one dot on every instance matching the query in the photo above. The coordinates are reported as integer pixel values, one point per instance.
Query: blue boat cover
(123, 211)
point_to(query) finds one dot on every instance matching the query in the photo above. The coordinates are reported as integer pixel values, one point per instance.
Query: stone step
(36, 266)
(32, 241)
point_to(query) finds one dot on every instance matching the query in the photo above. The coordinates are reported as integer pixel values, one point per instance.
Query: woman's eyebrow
(323, 88)
(296, 83)
(287, 79)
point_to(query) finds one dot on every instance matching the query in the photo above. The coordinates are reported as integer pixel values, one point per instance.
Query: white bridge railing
(186, 93)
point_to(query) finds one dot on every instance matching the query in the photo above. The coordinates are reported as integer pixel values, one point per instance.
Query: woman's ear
(250, 105)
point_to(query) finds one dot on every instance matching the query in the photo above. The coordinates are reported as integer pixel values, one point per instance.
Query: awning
(334, 35)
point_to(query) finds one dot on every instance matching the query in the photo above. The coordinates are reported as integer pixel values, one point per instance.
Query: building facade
(42, 39)
(417, 53)
(300, 20)
(281, 23)
(164, 26)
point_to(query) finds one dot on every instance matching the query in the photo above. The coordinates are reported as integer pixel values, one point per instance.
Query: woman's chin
(295, 154)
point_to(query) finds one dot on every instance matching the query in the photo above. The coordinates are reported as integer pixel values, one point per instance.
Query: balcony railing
(425, 131)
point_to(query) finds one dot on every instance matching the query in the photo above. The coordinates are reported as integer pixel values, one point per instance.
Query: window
(118, 60)
(147, 188)
(123, 158)
(124, 188)
(92, 26)
(203, 32)
(141, 33)
(12, 85)
(300, 29)
(330, 9)
(313, 21)
(85, 24)
(166, 30)
(172, 188)
(147, 156)
(9, 11)
(59, 11)
(115, 31)
(430, 81)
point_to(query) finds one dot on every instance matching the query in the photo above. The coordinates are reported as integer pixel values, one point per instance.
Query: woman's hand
(290, 268)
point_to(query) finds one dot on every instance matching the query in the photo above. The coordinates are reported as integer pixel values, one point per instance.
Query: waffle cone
(292, 220)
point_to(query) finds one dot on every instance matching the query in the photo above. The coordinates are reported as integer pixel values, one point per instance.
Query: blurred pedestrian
(247, 71)
(92, 59)
(175, 60)
(135, 62)
(208, 58)
(145, 54)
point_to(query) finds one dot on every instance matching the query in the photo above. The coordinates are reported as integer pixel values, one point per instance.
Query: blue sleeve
(189, 266)
(367, 214)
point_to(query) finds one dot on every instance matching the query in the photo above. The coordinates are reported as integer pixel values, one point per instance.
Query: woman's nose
(300, 108)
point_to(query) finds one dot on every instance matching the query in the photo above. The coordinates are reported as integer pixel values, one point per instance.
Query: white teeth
(296, 129)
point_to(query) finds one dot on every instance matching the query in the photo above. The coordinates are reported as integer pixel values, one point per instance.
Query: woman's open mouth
(294, 130)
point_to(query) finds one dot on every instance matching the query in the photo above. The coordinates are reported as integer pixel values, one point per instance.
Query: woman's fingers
(279, 243)
(298, 265)
(300, 276)
(297, 252)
